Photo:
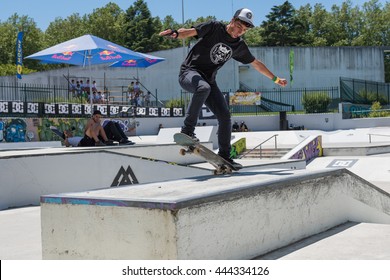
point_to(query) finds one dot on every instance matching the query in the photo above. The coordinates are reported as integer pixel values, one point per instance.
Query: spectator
(73, 88)
(94, 88)
(92, 131)
(243, 127)
(235, 127)
(147, 99)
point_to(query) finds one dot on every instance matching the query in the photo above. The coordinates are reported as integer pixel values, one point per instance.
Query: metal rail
(259, 146)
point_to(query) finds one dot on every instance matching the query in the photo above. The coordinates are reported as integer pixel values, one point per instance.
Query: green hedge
(317, 102)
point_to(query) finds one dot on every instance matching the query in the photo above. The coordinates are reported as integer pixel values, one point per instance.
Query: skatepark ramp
(240, 216)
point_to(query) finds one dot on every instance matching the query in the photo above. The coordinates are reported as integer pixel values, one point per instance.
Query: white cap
(245, 15)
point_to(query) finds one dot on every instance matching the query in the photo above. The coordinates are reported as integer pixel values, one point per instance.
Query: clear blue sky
(45, 11)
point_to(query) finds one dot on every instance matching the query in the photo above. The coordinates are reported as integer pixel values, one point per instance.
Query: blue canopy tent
(85, 50)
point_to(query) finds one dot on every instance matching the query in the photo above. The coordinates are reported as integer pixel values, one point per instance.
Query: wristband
(175, 32)
(276, 79)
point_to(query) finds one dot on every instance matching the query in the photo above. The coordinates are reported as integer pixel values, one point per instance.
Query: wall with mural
(310, 150)
(38, 129)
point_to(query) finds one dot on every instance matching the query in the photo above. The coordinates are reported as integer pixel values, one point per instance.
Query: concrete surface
(20, 234)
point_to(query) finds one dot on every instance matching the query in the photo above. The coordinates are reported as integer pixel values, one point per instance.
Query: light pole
(182, 19)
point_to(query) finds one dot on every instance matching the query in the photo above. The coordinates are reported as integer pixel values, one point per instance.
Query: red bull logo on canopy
(65, 56)
(109, 55)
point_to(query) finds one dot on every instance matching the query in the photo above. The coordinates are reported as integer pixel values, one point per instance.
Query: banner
(245, 98)
(19, 55)
(291, 58)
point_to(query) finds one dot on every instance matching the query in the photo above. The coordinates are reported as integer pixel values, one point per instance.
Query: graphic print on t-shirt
(220, 53)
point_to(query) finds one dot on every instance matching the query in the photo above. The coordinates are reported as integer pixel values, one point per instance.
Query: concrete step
(266, 153)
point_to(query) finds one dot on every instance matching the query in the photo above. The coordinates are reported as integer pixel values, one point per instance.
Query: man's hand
(169, 33)
(282, 82)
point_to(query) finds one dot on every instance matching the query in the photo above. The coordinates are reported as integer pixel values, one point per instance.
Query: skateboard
(194, 147)
(57, 132)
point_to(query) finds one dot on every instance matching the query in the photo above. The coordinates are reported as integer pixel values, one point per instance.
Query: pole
(89, 57)
(182, 20)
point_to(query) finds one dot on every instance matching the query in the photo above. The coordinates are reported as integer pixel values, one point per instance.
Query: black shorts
(87, 141)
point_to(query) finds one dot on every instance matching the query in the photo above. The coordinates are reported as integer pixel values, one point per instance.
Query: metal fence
(37, 93)
(364, 92)
(62, 94)
(278, 100)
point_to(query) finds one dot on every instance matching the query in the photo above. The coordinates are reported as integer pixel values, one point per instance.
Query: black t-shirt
(213, 49)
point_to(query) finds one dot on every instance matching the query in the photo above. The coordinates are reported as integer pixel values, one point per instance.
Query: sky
(45, 11)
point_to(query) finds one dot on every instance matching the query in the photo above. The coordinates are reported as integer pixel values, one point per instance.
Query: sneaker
(191, 134)
(235, 165)
(126, 142)
(100, 143)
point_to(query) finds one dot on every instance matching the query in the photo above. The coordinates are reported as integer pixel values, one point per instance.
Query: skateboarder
(216, 44)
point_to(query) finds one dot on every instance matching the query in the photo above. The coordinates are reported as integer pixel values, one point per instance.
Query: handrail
(259, 146)
(369, 136)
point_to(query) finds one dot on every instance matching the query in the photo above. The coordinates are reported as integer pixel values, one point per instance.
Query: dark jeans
(114, 131)
(210, 95)
(86, 141)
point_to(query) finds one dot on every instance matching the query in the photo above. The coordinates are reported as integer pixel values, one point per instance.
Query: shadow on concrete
(284, 251)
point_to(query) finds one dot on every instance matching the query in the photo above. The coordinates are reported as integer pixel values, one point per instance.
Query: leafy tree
(253, 37)
(32, 39)
(62, 30)
(345, 24)
(375, 28)
(10, 70)
(141, 29)
(108, 23)
(283, 28)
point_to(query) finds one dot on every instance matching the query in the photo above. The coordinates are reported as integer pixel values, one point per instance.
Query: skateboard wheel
(182, 152)
(197, 151)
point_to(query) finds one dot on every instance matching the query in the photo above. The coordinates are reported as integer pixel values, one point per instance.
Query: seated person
(235, 127)
(115, 132)
(112, 130)
(243, 127)
(92, 131)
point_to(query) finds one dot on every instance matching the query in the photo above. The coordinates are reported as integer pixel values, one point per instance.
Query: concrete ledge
(29, 145)
(210, 217)
(356, 150)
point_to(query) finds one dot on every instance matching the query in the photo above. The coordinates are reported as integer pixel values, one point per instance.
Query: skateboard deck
(57, 132)
(194, 147)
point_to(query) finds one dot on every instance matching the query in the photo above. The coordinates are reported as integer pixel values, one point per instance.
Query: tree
(32, 39)
(141, 29)
(345, 24)
(62, 30)
(375, 26)
(108, 23)
(283, 28)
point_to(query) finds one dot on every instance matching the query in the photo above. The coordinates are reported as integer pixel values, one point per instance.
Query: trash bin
(283, 122)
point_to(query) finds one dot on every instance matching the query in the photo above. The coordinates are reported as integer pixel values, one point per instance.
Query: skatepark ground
(20, 234)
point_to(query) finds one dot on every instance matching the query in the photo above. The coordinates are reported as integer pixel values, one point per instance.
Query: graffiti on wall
(38, 129)
(13, 130)
(45, 134)
(310, 151)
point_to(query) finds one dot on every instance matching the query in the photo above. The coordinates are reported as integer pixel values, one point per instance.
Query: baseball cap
(245, 15)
